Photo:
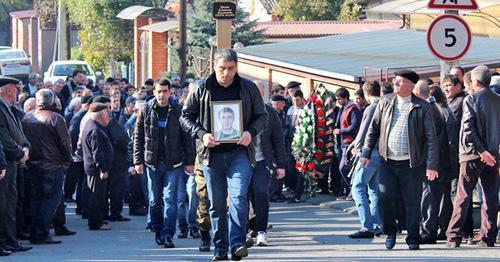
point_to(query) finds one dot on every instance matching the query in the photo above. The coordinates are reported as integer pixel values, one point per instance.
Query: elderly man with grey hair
(50, 156)
(479, 146)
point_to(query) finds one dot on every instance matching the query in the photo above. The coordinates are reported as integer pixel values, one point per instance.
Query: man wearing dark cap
(278, 102)
(404, 128)
(97, 157)
(149, 84)
(291, 87)
(16, 148)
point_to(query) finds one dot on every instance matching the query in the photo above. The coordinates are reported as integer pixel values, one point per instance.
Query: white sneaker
(262, 238)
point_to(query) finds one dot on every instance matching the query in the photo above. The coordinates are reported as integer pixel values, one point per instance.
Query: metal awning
(135, 11)
(420, 7)
(161, 27)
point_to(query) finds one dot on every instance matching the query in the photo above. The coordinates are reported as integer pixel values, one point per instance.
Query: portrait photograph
(227, 121)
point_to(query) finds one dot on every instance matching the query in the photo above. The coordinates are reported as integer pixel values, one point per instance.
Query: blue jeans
(367, 202)
(230, 171)
(162, 185)
(47, 193)
(186, 194)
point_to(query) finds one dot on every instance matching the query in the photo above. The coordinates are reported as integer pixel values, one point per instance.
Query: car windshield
(12, 55)
(67, 70)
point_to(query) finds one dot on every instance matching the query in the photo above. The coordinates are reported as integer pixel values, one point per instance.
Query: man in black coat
(16, 148)
(97, 156)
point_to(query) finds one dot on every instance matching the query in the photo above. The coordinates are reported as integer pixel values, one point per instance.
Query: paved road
(302, 232)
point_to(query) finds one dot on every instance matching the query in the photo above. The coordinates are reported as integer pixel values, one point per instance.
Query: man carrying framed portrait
(224, 112)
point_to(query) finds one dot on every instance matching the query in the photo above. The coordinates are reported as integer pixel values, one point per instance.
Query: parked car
(62, 69)
(15, 63)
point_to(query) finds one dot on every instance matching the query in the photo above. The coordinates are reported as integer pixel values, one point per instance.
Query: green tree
(103, 37)
(300, 10)
(350, 10)
(201, 26)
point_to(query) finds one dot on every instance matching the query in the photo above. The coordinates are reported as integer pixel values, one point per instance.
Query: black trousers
(470, 173)
(23, 212)
(435, 198)
(8, 206)
(97, 198)
(136, 197)
(115, 193)
(73, 176)
(335, 176)
(59, 219)
(396, 175)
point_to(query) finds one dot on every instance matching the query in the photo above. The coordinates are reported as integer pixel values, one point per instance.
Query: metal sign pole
(446, 66)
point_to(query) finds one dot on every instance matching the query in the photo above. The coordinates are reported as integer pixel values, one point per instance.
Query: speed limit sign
(449, 37)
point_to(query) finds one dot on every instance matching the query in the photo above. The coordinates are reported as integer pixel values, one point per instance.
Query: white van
(62, 69)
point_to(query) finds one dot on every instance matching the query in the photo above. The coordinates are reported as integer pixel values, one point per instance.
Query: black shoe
(194, 233)
(427, 241)
(119, 219)
(182, 234)
(69, 200)
(47, 241)
(64, 232)
(453, 244)
(362, 234)
(390, 241)
(23, 236)
(378, 231)
(220, 255)
(204, 245)
(249, 242)
(294, 200)
(484, 244)
(159, 240)
(413, 246)
(169, 243)
(4, 252)
(239, 252)
(18, 248)
(137, 212)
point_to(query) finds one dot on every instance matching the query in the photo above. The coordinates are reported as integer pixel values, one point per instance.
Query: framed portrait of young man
(227, 121)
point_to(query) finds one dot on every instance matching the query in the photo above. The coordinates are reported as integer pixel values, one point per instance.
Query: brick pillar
(14, 32)
(138, 23)
(158, 54)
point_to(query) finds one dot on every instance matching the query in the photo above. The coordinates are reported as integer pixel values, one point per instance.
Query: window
(67, 70)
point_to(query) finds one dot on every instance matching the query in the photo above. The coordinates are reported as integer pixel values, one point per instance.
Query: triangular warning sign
(453, 4)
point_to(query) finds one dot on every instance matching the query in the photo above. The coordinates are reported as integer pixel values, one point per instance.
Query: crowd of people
(409, 153)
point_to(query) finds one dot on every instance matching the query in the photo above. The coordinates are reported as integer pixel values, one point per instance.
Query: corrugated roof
(345, 56)
(161, 27)
(420, 7)
(135, 11)
(302, 29)
(23, 14)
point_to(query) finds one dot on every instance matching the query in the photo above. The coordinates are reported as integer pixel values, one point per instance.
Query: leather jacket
(49, 136)
(178, 143)
(423, 143)
(480, 125)
(196, 114)
(273, 141)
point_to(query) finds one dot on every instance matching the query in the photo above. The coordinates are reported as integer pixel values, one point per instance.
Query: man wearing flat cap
(97, 158)
(16, 148)
(404, 128)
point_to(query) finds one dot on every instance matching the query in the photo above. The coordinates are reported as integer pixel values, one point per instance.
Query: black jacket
(480, 125)
(51, 144)
(421, 132)
(195, 117)
(438, 115)
(456, 105)
(119, 141)
(273, 141)
(129, 129)
(74, 128)
(12, 138)
(178, 143)
(451, 143)
(3, 162)
(96, 148)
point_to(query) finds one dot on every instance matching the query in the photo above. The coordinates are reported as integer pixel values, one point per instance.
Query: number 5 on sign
(449, 37)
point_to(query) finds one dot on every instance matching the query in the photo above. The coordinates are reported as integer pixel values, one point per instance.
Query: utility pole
(62, 47)
(182, 40)
(445, 65)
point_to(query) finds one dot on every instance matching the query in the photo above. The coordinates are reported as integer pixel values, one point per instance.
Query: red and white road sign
(449, 37)
(453, 4)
